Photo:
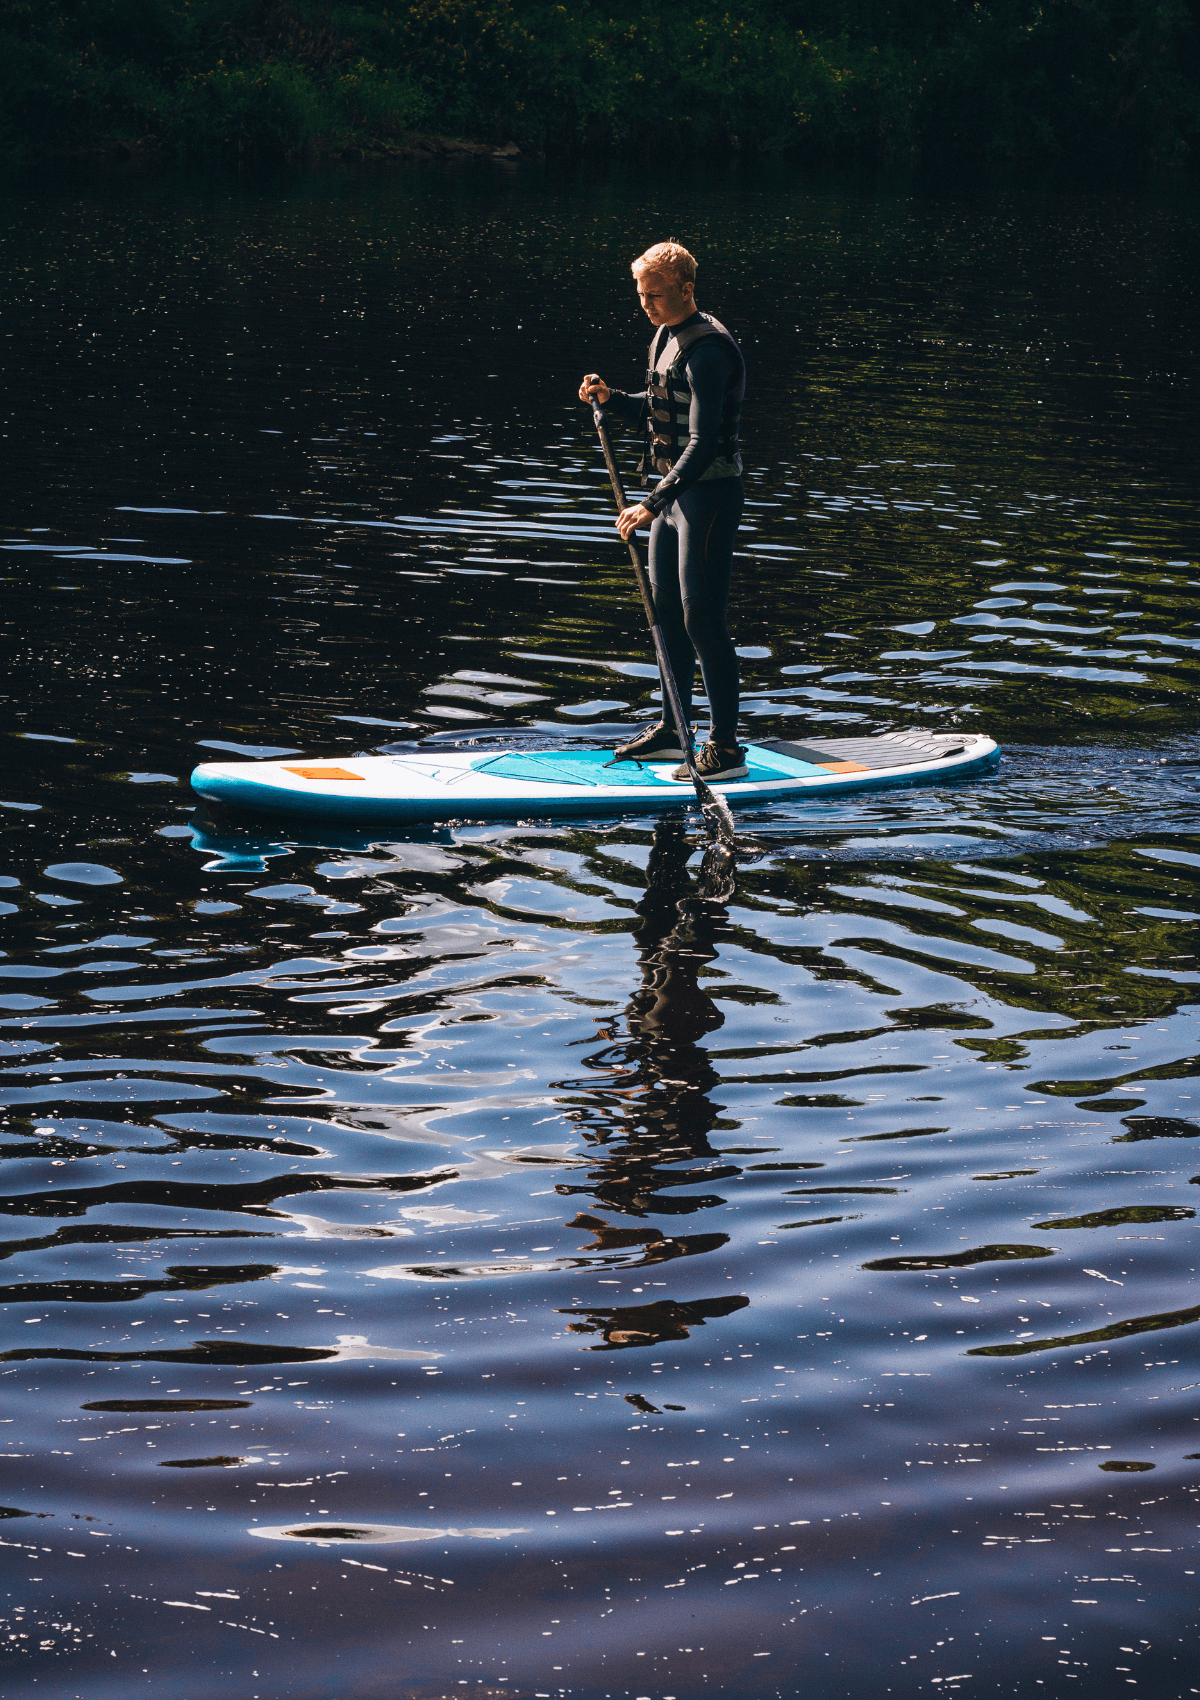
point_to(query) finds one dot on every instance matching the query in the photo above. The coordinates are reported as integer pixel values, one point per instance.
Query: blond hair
(670, 258)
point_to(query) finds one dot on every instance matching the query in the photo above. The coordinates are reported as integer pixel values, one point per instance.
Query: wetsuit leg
(706, 521)
(665, 581)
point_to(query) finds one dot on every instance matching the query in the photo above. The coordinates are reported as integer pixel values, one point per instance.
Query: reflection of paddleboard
(431, 784)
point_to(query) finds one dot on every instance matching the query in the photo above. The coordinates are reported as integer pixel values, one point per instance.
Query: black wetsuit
(691, 540)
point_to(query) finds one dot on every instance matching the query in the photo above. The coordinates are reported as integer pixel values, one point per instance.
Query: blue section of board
(591, 768)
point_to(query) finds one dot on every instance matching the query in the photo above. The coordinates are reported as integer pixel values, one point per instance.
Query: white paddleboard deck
(430, 784)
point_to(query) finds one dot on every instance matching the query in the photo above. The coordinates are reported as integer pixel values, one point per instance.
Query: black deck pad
(894, 749)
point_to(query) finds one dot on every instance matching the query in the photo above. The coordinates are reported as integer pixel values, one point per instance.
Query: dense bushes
(1115, 80)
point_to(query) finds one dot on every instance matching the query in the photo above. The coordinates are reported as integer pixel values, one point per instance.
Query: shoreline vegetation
(1095, 84)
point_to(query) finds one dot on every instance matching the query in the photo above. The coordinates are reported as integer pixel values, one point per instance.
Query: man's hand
(629, 521)
(593, 388)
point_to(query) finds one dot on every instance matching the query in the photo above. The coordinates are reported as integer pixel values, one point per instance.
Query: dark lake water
(550, 1158)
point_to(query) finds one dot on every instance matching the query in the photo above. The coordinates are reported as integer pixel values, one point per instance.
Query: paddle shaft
(670, 688)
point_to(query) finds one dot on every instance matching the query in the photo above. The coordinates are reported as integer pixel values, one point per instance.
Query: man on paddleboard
(691, 412)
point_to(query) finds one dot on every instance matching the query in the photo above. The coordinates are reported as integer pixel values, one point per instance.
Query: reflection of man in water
(691, 410)
(671, 1011)
(660, 1110)
(665, 1074)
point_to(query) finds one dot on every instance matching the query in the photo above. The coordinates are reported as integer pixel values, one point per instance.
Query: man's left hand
(629, 521)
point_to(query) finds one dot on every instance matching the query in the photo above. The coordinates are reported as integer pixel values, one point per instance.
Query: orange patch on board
(844, 767)
(323, 773)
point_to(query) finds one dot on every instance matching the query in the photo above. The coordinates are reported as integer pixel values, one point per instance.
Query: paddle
(716, 809)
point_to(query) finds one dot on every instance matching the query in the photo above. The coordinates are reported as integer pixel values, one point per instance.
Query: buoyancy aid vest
(669, 395)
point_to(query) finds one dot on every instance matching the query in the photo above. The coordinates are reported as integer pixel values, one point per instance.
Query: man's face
(664, 301)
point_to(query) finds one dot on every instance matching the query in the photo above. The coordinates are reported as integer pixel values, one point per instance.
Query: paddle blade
(723, 837)
(718, 817)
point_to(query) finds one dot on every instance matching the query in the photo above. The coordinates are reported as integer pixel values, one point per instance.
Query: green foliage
(1111, 80)
(272, 108)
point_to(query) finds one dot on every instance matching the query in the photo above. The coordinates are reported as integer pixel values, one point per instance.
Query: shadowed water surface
(550, 1157)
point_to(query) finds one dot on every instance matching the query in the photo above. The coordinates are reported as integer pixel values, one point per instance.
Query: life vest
(669, 395)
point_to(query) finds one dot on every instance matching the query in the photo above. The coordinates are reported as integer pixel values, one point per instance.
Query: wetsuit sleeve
(633, 409)
(708, 368)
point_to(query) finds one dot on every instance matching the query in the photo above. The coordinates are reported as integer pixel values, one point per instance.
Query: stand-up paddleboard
(432, 784)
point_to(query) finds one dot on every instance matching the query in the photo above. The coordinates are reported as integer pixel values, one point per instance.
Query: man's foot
(653, 743)
(717, 761)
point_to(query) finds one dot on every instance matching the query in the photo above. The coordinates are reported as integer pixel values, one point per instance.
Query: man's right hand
(593, 388)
